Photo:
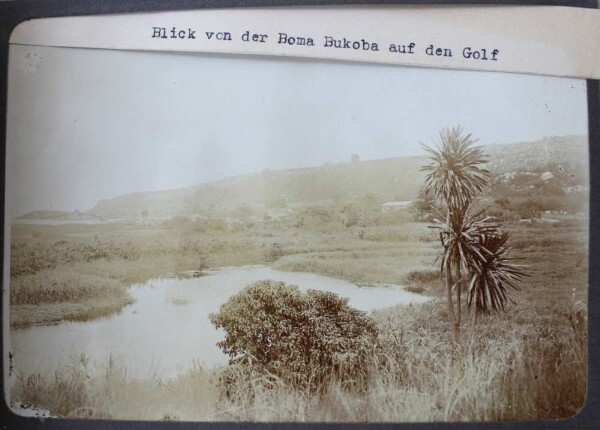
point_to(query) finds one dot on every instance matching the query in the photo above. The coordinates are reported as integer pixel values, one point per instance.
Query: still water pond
(167, 329)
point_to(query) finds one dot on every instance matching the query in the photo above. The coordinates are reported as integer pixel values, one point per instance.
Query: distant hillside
(56, 215)
(390, 179)
(569, 152)
(397, 178)
(46, 215)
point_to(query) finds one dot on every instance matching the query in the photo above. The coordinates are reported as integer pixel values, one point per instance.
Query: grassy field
(527, 363)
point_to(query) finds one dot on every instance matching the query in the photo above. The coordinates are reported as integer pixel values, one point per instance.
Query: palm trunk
(451, 315)
(473, 322)
(449, 283)
(457, 274)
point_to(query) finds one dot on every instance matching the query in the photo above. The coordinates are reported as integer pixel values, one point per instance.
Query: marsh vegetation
(529, 364)
(396, 363)
(509, 361)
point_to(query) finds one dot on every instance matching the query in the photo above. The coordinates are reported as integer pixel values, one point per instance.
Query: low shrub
(302, 339)
(415, 290)
(422, 277)
(274, 252)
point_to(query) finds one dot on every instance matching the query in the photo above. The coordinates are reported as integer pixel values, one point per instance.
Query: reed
(505, 371)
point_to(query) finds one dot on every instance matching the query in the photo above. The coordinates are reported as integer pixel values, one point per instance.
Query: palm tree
(475, 252)
(455, 178)
(460, 237)
(474, 249)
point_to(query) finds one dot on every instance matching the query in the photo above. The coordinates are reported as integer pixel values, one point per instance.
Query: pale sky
(88, 124)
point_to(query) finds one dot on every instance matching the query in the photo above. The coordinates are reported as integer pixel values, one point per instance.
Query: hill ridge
(386, 179)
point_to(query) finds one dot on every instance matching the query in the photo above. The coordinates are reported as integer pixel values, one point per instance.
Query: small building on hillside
(395, 206)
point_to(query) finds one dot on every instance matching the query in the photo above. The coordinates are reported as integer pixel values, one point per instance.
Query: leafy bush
(423, 209)
(422, 277)
(317, 215)
(415, 290)
(184, 224)
(303, 339)
(353, 217)
(275, 252)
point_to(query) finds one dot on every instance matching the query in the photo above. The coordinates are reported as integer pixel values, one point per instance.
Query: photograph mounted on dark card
(279, 237)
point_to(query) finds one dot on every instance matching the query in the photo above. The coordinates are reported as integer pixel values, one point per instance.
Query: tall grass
(48, 286)
(87, 276)
(527, 363)
(87, 390)
(504, 371)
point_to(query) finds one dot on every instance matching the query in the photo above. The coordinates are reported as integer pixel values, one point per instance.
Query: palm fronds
(460, 236)
(493, 274)
(476, 244)
(454, 173)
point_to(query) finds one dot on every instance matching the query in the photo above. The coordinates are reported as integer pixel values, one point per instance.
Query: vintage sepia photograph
(209, 237)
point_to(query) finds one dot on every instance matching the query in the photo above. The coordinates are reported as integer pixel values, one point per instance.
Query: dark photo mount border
(16, 11)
